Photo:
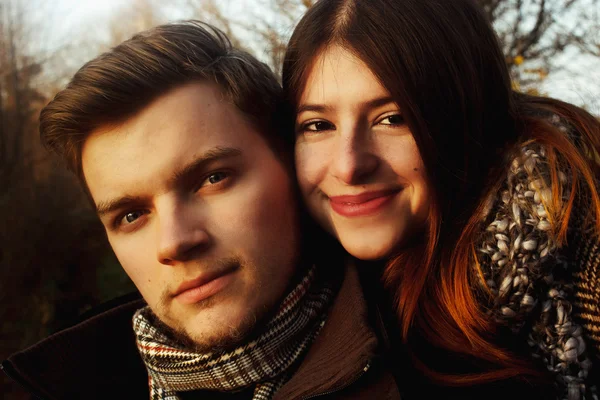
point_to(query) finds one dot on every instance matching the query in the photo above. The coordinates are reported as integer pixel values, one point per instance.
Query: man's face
(199, 211)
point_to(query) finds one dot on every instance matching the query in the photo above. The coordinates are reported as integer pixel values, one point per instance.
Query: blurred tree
(139, 14)
(533, 33)
(587, 32)
(53, 248)
(260, 26)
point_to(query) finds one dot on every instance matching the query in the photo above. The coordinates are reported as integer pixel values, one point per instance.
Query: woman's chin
(367, 250)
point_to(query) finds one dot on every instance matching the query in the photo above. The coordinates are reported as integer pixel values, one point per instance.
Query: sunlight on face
(358, 165)
(193, 201)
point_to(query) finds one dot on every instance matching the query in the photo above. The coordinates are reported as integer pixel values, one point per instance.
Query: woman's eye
(396, 119)
(317, 126)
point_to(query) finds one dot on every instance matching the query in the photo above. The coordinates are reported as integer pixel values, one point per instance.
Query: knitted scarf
(532, 278)
(265, 361)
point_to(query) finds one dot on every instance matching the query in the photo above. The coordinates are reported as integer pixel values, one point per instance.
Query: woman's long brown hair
(442, 63)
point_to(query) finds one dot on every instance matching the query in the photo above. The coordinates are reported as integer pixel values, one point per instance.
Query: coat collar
(342, 351)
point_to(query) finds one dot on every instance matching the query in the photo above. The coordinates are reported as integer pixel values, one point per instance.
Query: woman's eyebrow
(378, 102)
(313, 107)
(372, 103)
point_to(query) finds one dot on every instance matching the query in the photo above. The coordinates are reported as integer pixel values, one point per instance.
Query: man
(175, 136)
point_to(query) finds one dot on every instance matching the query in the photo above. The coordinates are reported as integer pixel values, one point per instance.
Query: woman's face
(358, 165)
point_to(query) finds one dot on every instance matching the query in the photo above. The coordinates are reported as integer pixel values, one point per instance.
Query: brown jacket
(98, 359)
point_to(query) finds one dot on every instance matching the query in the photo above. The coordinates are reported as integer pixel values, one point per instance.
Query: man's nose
(181, 233)
(353, 160)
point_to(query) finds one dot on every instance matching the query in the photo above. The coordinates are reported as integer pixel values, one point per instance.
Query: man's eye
(216, 177)
(131, 217)
(317, 126)
(395, 119)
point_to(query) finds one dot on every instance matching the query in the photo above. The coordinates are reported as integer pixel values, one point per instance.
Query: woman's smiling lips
(362, 204)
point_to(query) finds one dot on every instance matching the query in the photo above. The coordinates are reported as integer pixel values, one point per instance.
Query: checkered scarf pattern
(266, 361)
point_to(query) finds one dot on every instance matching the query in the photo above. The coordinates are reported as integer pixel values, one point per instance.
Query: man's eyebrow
(107, 207)
(218, 153)
(210, 156)
(374, 103)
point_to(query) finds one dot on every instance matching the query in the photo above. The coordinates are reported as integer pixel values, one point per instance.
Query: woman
(412, 148)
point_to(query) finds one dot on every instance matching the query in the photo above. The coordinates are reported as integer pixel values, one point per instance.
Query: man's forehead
(191, 117)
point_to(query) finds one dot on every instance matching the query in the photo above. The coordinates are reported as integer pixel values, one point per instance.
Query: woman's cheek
(311, 167)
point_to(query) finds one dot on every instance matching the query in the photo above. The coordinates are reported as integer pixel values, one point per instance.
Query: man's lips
(204, 286)
(362, 204)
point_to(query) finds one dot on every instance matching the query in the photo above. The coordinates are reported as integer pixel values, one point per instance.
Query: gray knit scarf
(265, 361)
(531, 278)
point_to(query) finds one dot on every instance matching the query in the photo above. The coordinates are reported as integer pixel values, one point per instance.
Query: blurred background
(55, 262)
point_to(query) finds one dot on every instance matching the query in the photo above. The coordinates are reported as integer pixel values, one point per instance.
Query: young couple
(468, 216)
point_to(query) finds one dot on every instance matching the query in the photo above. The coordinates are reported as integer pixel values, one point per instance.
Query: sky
(578, 82)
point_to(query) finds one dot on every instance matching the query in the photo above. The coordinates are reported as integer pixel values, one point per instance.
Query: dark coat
(98, 358)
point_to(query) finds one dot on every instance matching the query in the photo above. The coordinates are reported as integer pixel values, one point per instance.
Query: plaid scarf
(266, 361)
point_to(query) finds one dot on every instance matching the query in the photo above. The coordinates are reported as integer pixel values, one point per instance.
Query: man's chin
(224, 338)
(196, 337)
